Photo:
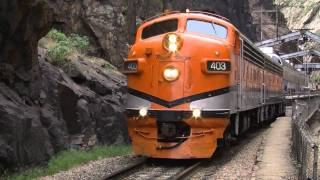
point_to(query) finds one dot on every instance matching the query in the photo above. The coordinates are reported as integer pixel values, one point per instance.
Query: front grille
(172, 131)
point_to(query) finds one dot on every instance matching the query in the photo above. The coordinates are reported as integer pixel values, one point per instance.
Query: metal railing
(305, 144)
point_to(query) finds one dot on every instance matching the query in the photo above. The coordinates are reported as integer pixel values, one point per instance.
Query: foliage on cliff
(63, 45)
(62, 48)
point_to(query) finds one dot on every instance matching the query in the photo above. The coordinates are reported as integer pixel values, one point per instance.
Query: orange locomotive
(194, 81)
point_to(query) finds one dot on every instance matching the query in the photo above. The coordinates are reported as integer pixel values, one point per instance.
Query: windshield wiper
(212, 24)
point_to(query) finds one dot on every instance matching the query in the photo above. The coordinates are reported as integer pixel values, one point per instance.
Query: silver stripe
(137, 102)
(217, 102)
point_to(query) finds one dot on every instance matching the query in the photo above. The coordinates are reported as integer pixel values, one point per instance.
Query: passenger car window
(207, 28)
(160, 28)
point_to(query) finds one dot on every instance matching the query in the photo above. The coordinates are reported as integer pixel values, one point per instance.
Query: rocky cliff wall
(103, 21)
(22, 24)
(307, 11)
(269, 28)
(44, 109)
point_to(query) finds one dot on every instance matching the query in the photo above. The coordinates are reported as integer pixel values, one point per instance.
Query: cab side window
(207, 28)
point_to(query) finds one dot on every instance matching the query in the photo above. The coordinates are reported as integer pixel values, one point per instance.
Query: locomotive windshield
(160, 28)
(207, 28)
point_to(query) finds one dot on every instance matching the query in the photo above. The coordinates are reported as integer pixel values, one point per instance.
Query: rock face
(307, 11)
(22, 24)
(103, 21)
(82, 105)
(79, 108)
(269, 28)
(43, 109)
(23, 139)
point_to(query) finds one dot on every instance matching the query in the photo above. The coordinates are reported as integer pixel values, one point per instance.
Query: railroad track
(145, 169)
(177, 169)
(187, 171)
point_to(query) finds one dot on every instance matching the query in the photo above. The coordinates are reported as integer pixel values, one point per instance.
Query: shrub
(59, 52)
(80, 42)
(66, 44)
(57, 35)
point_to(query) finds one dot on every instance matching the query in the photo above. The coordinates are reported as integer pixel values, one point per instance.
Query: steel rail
(124, 170)
(187, 171)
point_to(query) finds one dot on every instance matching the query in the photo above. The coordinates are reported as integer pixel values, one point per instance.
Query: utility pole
(263, 11)
(261, 33)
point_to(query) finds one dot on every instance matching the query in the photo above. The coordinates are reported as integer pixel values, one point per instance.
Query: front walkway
(275, 161)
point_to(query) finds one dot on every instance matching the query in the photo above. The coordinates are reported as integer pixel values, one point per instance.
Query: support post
(315, 162)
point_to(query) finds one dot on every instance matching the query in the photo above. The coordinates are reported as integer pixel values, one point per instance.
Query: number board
(218, 66)
(131, 66)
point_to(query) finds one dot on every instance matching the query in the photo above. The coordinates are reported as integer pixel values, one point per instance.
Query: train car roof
(247, 40)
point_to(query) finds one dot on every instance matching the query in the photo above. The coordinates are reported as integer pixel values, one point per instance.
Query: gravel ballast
(236, 163)
(95, 169)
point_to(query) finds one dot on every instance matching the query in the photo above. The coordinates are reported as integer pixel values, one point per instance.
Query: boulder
(68, 113)
(23, 138)
(86, 100)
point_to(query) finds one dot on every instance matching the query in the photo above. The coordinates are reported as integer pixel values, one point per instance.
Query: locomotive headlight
(143, 112)
(171, 73)
(173, 47)
(172, 42)
(172, 38)
(196, 113)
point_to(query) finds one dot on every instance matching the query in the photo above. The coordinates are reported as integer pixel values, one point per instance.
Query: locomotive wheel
(225, 143)
(228, 139)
